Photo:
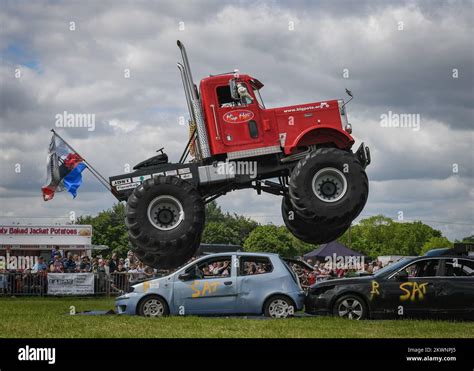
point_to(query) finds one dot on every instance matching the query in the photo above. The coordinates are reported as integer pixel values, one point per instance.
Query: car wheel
(351, 307)
(153, 306)
(279, 307)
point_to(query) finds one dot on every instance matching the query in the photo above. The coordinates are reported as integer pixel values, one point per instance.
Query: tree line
(373, 236)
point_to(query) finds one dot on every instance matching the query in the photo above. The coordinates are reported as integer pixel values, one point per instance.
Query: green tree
(218, 232)
(435, 243)
(108, 228)
(275, 239)
(379, 235)
(225, 227)
(467, 239)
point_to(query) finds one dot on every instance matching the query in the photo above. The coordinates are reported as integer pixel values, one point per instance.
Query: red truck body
(292, 126)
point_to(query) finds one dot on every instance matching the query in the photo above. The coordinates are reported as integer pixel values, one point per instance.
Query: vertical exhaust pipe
(186, 91)
(189, 104)
(195, 104)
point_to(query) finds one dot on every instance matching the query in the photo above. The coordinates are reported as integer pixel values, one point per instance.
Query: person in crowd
(85, 265)
(141, 272)
(106, 265)
(378, 265)
(77, 260)
(131, 259)
(149, 272)
(57, 265)
(133, 273)
(54, 251)
(95, 264)
(120, 268)
(39, 266)
(101, 276)
(113, 263)
(69, 264)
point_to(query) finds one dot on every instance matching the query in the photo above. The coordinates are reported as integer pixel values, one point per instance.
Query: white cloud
(82, 71)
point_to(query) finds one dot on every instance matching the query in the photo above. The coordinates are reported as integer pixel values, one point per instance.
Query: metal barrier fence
(36, 284)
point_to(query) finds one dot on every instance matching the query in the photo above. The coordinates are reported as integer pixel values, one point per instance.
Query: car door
(456, 292)
(411, 290)
(254, 281)
(208, 293)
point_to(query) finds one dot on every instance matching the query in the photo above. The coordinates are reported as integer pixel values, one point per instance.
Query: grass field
(48, 317)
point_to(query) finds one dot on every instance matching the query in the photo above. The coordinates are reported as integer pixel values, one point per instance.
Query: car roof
(241, 253)
(447, 252)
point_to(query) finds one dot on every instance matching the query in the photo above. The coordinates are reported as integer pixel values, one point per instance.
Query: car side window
(250, 265)
(459, 268)
(212, 268)
(423, 268)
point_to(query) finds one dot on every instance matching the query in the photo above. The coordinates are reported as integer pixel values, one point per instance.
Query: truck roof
(225, 77)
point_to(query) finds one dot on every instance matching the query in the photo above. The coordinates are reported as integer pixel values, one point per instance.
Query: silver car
(219, 284)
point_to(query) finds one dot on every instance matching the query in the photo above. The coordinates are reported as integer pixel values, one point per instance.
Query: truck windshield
(259, 97)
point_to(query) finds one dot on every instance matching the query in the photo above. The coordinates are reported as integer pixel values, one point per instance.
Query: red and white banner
(45, 235)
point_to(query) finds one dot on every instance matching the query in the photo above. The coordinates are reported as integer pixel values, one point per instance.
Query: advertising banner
(70, 283)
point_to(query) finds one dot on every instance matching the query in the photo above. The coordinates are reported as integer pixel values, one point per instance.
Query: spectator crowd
(111, 275)
(323, 270)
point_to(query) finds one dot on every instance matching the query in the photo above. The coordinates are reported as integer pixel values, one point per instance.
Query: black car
(438, 284)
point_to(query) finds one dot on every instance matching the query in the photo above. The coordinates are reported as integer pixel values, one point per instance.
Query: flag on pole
(64, 169)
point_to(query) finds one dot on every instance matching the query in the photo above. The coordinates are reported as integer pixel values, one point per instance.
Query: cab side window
(459, 268)
(254, 266)
(423, 268)
(224, 97)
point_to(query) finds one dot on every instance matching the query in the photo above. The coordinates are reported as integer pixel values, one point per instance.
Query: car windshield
(392, 267)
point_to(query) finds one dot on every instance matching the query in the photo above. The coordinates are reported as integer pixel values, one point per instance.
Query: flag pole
(93, 171)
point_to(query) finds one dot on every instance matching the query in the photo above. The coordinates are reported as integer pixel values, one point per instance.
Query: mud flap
(363, 155)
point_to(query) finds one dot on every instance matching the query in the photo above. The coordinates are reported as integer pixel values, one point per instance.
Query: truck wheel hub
(165, 213)
(329, 184)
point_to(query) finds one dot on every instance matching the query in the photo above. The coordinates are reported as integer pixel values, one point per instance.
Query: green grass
(48, 317)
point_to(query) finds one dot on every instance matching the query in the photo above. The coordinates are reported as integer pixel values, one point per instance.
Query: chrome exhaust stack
(186, 91)
(194, 104)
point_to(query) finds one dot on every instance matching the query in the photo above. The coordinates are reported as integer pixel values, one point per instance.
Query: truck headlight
(348, 128)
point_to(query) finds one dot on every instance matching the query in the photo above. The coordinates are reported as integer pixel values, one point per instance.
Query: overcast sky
(399, 57)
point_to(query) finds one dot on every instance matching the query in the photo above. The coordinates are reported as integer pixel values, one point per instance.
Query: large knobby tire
(171, 261)
(351, 306)
(308, 231)
(165, 217)
(329, 186)
(153, 306)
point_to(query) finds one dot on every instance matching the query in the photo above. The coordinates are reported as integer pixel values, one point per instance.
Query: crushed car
(439, 284)
(219, 284)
